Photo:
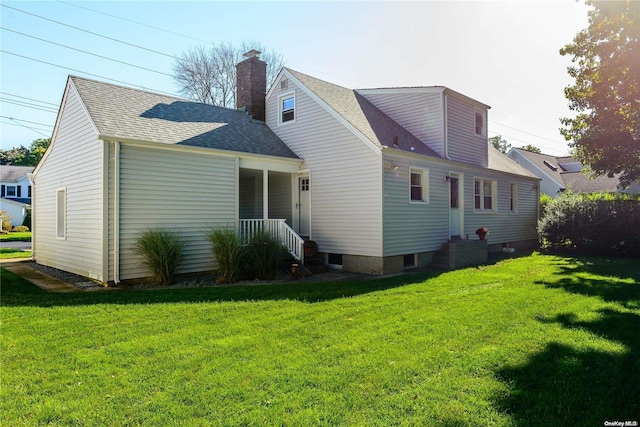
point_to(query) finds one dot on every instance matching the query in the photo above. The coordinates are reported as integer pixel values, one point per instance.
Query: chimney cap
(252, 54)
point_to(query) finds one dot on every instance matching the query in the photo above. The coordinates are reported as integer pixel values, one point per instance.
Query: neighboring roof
(19, 202)
(500, 162)
(363, 115)
(14, 173)
(130, 114)
(576, 181)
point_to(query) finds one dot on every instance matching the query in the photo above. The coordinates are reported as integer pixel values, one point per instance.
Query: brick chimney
(252, 84)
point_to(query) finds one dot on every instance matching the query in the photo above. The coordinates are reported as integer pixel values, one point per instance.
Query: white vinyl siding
(411, 228)
(346, 214)
(419, 113)
(462, 142)
(75, 163)
(185, 192)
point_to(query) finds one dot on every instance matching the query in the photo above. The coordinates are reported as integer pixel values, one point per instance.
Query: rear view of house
(380, 179)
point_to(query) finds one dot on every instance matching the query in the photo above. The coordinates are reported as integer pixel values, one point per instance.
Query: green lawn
(7, 253)
(16, 237)
(540, 340)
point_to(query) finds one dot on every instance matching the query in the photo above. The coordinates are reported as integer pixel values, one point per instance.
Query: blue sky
(504, 54)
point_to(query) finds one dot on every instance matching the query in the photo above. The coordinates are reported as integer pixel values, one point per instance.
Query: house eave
(450, 163)
(203, 150)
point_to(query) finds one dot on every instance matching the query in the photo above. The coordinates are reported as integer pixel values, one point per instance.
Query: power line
(26, 121)
(88, 53)
(134, 22)
(30, 99)
(28, 105)
(526, 133)
(19, 125)
(90, 32)
(27, 127)
(84, 72)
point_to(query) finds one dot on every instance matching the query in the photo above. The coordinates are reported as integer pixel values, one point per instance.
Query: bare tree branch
(209, 74)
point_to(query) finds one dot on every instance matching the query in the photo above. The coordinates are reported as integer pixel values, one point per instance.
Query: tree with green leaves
(605, 133)
(22, 156)
(531, 148)
(499, 143)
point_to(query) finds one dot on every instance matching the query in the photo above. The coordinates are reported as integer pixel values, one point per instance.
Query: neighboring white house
(15, 192)
(379, 178)
(565, 173)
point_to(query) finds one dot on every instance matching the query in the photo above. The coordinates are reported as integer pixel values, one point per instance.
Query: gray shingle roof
(14, 173)
(364, 116)
(131, 114)
(500, 162)
(574, 180)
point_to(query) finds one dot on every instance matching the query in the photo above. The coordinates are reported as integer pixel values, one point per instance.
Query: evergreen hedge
(606, 225)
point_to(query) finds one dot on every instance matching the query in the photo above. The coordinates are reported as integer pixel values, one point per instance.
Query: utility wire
(15, 124)
(90, 32)
(526, 133)
(30, 99)
(28, 105)
(88, 53)
(84, 72)
(25, 121)
(134, 22)
(30, 128)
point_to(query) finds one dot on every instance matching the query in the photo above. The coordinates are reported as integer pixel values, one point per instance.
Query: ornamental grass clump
(162, 253)
(228, 251)
(264, 253)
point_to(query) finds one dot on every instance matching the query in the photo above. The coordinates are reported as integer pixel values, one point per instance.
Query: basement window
(409, 260)
(334, 260)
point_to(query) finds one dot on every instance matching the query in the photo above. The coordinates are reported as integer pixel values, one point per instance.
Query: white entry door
(454, 217)
(303, 205)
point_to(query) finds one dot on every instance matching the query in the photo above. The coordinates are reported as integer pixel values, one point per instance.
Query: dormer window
(287, 107)
(480, 125)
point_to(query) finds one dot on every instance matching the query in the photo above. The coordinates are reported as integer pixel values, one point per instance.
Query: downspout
(33, 215)
(445, 125)
(116, 214)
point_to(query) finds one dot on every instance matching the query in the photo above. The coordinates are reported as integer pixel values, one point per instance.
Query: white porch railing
(279, 229)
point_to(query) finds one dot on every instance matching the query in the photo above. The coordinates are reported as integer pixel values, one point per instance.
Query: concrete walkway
(36, 277)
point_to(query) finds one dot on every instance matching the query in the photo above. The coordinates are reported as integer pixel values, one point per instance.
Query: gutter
(116, 214)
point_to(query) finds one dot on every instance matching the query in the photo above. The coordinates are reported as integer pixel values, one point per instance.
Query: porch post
(265, 194)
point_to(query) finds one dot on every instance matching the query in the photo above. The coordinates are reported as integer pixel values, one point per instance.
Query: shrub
(264, 253)
(595, 225)
(20, 229)
(162, 253)
(228, 250)
(545, 199)
(6, 221)
(27, 219)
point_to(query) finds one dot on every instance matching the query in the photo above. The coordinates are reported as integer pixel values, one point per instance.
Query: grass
(539, 340)
(8, 253)
(16, 237)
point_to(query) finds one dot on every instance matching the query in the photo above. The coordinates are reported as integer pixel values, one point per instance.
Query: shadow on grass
(16, 291)
(588, 276)
(563, 385)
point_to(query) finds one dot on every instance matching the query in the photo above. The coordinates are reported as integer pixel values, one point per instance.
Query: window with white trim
(11, 191)
(419, 185)
(485, 193)
(513, 198)
(61, 213)
(480, 123)
(287, 108)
